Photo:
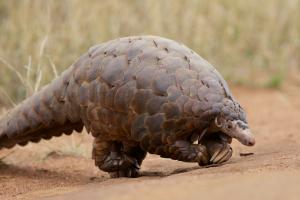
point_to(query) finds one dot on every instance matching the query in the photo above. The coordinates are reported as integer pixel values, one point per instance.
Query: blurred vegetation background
(255, 42)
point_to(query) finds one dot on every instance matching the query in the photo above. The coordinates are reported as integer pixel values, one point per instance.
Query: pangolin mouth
(224, 137)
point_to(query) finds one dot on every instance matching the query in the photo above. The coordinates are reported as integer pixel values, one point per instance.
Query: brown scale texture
(147, 90)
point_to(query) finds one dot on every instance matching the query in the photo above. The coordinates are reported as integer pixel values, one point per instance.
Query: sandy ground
(62, 168)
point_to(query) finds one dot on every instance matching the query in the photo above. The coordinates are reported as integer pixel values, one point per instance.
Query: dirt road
(273, 172)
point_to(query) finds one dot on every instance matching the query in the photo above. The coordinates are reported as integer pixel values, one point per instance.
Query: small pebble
(246, 154)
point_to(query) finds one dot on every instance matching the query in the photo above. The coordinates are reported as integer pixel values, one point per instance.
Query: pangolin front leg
(185, 151)
(119, 159)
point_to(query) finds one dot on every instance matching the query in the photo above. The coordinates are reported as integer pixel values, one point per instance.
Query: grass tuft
(275, 81)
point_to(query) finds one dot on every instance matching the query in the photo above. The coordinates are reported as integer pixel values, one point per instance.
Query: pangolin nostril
(251, 143)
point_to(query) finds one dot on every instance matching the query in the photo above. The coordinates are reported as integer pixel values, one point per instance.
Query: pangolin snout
(251, 142)
(246, 137)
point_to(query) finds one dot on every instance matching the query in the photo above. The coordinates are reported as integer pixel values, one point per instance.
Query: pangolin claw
(222, 155)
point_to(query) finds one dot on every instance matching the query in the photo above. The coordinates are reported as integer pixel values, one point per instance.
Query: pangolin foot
(120, 165)
(129, 172)
(220, 152)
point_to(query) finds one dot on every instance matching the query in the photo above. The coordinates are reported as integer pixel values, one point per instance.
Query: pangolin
(135, 95)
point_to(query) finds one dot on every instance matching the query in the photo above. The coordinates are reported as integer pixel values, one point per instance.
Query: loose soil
(62, 168)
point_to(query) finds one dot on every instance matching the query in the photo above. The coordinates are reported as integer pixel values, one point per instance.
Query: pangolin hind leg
(118, 159)
(133, 157)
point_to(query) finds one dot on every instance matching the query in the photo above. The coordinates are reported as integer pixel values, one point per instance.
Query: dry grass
(250, 42)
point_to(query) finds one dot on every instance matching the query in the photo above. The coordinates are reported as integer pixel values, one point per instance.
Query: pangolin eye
(229, 126)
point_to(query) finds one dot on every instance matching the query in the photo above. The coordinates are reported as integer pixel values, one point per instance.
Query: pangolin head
(232, 121)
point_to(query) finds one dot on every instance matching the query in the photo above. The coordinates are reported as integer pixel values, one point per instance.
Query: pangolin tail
(47, 113)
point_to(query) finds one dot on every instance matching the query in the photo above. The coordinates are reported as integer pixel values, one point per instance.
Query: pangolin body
(135, 95)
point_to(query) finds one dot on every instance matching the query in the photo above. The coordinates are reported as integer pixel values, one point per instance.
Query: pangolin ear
(218, 122)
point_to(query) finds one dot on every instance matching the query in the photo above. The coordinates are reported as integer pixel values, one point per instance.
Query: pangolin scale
(135, 95)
